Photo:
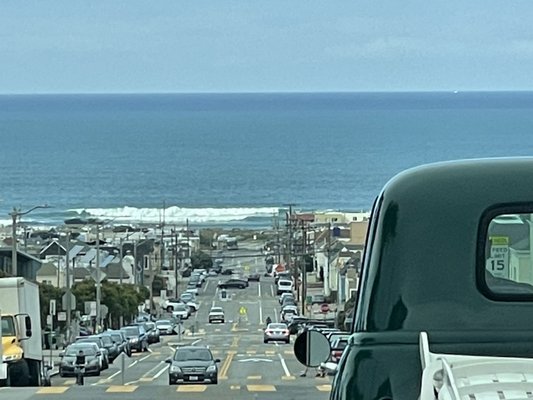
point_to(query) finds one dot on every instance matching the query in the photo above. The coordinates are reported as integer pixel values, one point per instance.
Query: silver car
(276, 332)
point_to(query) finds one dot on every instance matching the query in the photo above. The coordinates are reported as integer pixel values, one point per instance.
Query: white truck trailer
(21, 362)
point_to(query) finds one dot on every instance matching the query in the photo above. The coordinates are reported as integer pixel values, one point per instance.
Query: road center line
(196, 341)
(272, 290)
(276, 314)
(284, 365)
(133, 363)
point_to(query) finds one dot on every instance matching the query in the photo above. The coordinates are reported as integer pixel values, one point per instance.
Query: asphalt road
(247, 366)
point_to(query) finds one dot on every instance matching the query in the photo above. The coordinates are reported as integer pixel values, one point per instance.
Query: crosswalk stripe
(121, 389)
(261, 388)
(52, 390)
(324, 388)
(192, 388)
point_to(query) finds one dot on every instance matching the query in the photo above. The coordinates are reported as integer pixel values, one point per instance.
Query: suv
(216, 314)
(192, 364)
(284, 285)
(137, 337)
(233, 283)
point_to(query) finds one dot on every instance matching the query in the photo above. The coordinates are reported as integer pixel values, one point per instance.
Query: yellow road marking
(234, 327)
(192, 388)
(324, 388)
(121, 389)
(288, 352)
(254, 377)
(261, 388)
(146, 379)
(251, 352)
(52, 390)
(235, 387)
(270, 352)
(288, 377)
(69, 382)
(235, 341)
(156, 353)
(225, 366)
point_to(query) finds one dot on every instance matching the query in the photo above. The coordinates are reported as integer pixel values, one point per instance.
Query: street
(247, 366)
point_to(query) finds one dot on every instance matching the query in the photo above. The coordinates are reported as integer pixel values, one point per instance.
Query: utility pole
(304, 267)
(98, 284)
(14, 215)
(67, 266)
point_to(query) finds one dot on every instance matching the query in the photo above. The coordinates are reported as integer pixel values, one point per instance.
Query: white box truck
(21, 352)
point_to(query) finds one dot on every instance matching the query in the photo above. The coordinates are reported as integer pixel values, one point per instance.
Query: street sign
(52, 307)
(324, 308)
(61, 316)
(94, 275)
(90, 308)
(242, 311)
(64, 301)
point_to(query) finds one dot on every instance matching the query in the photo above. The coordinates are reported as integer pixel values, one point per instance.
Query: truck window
(8, 327)
(508, 258)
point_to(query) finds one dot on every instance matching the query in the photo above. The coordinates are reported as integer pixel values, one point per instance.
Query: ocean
(235, 160)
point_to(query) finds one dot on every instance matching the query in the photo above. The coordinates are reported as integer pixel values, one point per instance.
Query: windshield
(74, 350)
(163, 323)
(131, 331)
(8, 326)
(193, 354)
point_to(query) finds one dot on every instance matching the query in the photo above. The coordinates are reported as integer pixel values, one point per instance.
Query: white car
(216, 314)
(181, 311)
(284, 285)
(170, 304)
(192, 289)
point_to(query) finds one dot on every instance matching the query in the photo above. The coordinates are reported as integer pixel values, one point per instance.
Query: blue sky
(72, 46)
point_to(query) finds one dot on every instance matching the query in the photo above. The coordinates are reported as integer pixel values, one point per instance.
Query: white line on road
(276, 314)
(272, 290)
(161, 372)
(133, 363)
(196, 341)
(144, 358)
(206, 286)
(260, 305)
(284, 365)
(115, 374)
(153, 369)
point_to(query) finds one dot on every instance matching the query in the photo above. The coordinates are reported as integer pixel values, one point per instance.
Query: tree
(199, 259)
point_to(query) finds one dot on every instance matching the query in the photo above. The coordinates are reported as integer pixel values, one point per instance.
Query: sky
(131, 46)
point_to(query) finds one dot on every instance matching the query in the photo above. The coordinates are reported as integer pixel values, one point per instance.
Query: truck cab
(449, 252)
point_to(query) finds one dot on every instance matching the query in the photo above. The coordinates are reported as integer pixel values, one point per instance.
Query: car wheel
(97, 373)
(170, 381)
(265, 341)
(61, 374)
(287, 341)
(170, 309)
(215, 380)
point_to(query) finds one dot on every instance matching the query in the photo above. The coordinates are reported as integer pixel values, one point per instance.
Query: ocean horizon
(234, 159)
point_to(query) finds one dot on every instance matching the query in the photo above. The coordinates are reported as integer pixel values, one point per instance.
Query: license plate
(193, 378)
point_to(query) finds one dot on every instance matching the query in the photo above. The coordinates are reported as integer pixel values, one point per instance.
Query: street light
(14, 215)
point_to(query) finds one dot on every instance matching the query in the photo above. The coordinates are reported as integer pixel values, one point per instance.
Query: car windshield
(163, 322)
(74, 350)
(216, 309)
(193, 354)
(98, 341)
(131, 331)
(277, 326)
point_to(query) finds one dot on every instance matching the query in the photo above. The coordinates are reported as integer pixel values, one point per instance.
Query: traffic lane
(222, 391)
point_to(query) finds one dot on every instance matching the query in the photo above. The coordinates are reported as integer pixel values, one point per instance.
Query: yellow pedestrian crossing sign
(242, 311)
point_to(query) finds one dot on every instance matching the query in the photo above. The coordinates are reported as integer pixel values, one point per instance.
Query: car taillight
(285, 331)
(268, 332)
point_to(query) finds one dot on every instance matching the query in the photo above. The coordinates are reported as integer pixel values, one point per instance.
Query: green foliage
(46, 293)
(199, 259)
(121, 300)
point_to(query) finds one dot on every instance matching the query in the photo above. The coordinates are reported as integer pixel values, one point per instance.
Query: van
(284, 285)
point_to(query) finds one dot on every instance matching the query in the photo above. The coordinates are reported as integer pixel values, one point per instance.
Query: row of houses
(133, 256)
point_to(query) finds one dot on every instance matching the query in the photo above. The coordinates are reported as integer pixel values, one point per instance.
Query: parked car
(284, 295)
(227, 271)
(284, 285)
(93, 362)
(233, 283)
(137, 337)
(276, 332)
(337, 348)
(216, 314)
(153, 332)
(192, 364)
(103, 353)
(165, 326)
(112, 346)
(120, 338)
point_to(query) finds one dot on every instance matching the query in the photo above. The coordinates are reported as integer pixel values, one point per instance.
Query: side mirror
(312, 348)
(217, 360)
(61, 354)
(98, 353)
(168, 360)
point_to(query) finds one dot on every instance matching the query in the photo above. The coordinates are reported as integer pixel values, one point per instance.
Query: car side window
(508, 255)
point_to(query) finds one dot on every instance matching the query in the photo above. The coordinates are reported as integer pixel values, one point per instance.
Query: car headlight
(174, 368)
(12, 357)
(211, 368)
(134, 340)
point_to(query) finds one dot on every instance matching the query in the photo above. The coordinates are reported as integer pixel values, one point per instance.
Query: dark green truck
(449, 252)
